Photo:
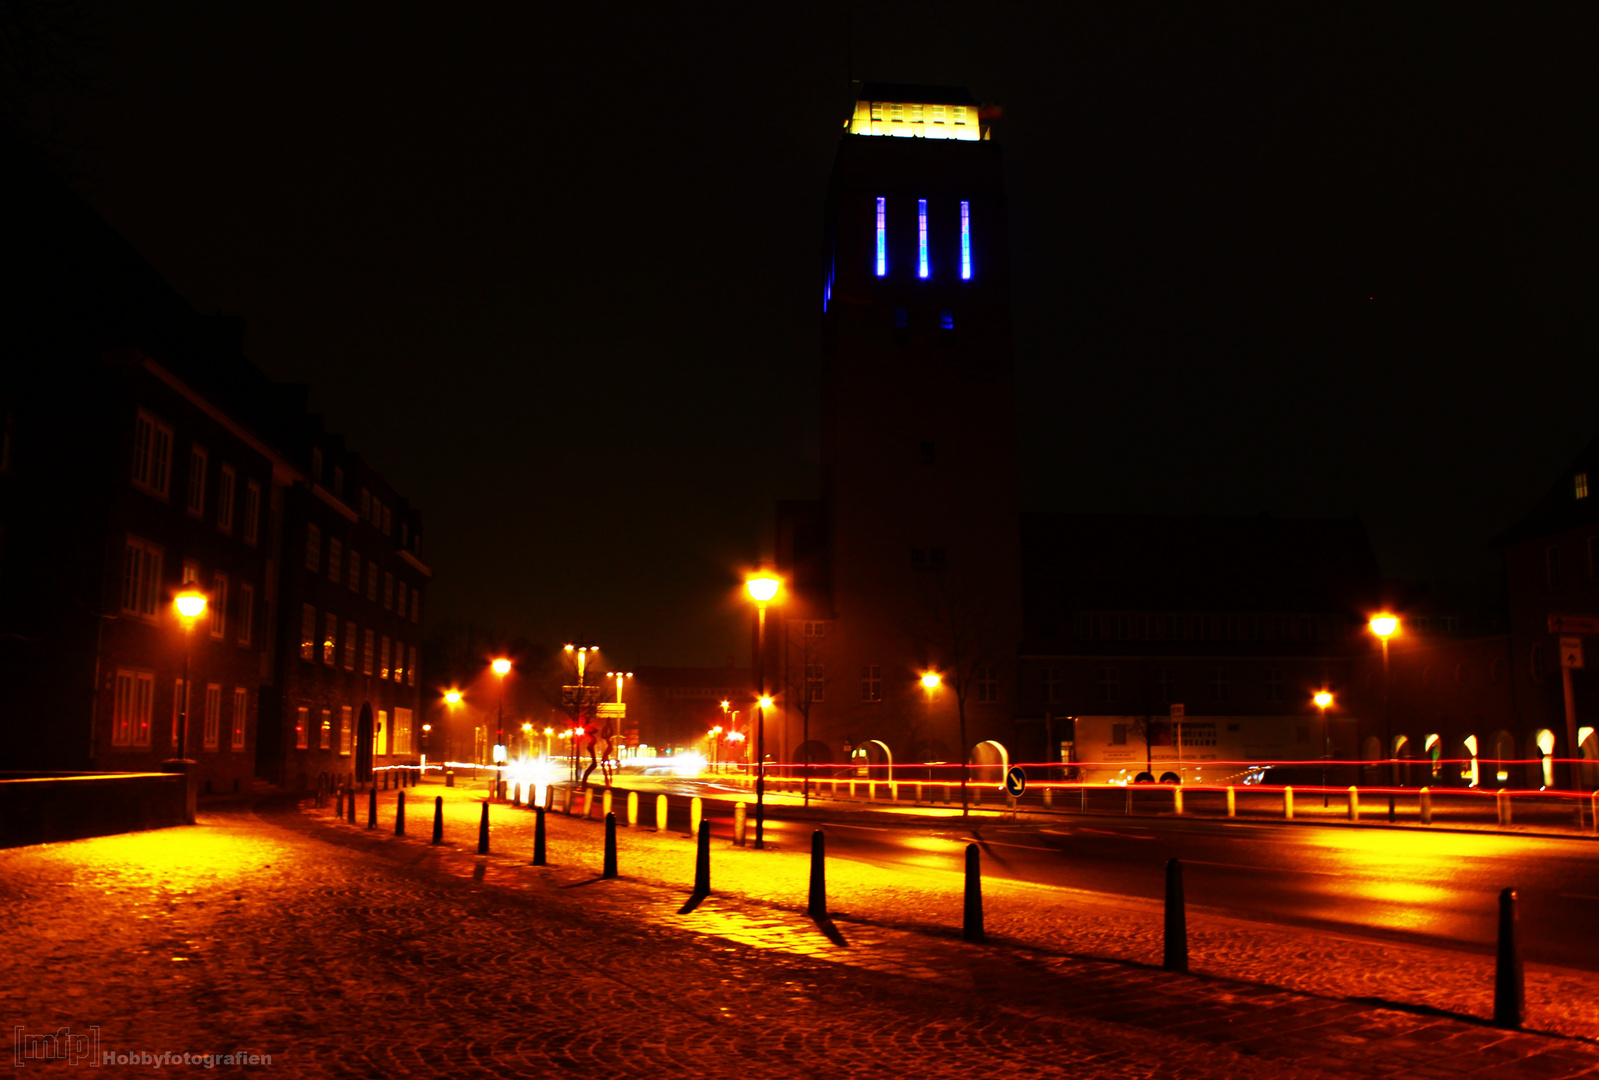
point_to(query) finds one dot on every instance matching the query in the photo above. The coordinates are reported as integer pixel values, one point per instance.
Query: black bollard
(1390, 808)
(702, 870)
(350, 806)
(972, 929)
(338, 810)
(1510, 991)
(610, 846)
(372, 808)
(399, 814)
(483, 832)
(438, 819)
(817, 908)
(1176, 958)
(516, 796)
(539, 856)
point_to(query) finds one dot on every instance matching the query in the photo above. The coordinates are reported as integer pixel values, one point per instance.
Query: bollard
(588, 802)
(566, 801)
(972, 924)
(1354, 803)
(1594, 816)
(1049, 798)
(610, 846)
(696, 813)
(1176, 952)
(817, 907)
(339, 806)
(1288, 803)
(660, 813)
(917, 793)
(1176, 800)
(632, 809)
(483, 832)
(516, 796)
(1510, 995)
(350, 805)
(739, 811)
(1232, 802)
(399, 814)
(372, 807)
(438, 819)
(539, 856)
(702, 861)
(1424, 797)
(605, 809)
(1082, 798)
(449, 777)
(1502, 801)
(1128, 791)
(1390, 808)
(549, 797)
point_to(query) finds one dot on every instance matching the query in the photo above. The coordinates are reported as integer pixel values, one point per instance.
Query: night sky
(555, 269)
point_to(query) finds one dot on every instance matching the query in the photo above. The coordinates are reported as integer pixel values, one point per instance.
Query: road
(1434, 888)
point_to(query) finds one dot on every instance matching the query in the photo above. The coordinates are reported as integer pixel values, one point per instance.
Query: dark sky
(555, 268)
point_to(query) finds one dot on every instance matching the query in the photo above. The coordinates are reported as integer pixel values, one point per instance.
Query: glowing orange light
(932, 680)
(766, 701)
(190, 601)
(501, 666)
(453, 697)
(763, 587)
(1385, 625)
(1322, 699)
(527, 727)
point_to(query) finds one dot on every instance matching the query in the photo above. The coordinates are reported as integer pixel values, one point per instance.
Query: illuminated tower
(919, 522)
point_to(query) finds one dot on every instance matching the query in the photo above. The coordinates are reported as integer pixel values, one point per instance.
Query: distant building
(673, 708)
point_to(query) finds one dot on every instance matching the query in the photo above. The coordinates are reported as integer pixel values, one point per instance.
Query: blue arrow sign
(1015, 781)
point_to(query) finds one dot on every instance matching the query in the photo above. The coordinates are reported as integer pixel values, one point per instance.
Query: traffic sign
(1574, 624)
(1015, 781)
(1571, 652)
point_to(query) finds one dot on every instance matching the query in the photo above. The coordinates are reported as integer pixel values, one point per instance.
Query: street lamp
(582, 654)
(712, 734)
(1323, 699)
(501, 667)
(762, 588)
(1385, 625)
(190, 603)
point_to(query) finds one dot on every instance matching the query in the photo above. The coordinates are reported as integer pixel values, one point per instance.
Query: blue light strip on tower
(966, 240)
(921, 225)
(882, 236)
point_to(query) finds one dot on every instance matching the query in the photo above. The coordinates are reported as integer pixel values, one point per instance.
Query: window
(1110, 687)
(399, 603)
(938, 114)
(368, 647)
(371, 580)
(152, 454)
(871, 682)
(1579, 485)
(330, 639)
(213, 714)
(416, 604)
(141, 577)
(194, 502)
(307, 632)
(399, 662)
(957, 113)
(130, 711)
(313, 548)
(383, 659)
(1049, 680)
(1164, 685)
(380, 732)
(1274, 684)
(1551, 567)
(946, 319)
(335, 559)
(252, 513)
(987, 676)
(177, 708)
(246, 613)
(225, 487)
(916, 114)
(241, 713)
(349, 646)
(882, 236)
(218, 606)
(325, 732)
(902, 317)
(1118, 734)
(354, 576)
(345, 732)
(388, 590)
(813, 629)
(896, 113)
(815, 684)
(966, 240)
(921, 238)
(191, 572)
(1218, 684)
(410, 669)
(301, 720)
(402, 731)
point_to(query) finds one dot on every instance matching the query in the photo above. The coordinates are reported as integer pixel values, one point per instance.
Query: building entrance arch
(990, 762)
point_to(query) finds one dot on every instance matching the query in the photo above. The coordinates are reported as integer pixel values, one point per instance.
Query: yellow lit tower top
(917, 112)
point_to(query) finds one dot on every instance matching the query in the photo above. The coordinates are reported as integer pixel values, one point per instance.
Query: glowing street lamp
(1323, 699)
(582, 654)
(1385, 625)
(501, 667)
(711, 735)
(190, 603)
(762, 589)
(931, 681)
(452, 697)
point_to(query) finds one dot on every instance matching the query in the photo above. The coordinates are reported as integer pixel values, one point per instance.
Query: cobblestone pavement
(347, 952)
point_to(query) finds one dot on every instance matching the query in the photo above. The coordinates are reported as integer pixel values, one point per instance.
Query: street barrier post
(1176, 800)
(696, 813)
(588, 803)
(1424, 805)
(739, 812)
(1232, 802)
(516, 795)
(349, 806)
(606, 808)
(1354, 803)
(610, 846)
(399, 814)
(1510, 996)
(483, 832)
(1176, 951)
(338, 807)
(1390, 808)
(540, 850)
(372, 807)
(1594, 816)
(1129, 793)
(702, 861)
(438, 819)
(1502, 804)
(972, 924)
(1049, 798)
(817, 907)
(1288, 803)
(632, 809)
(660, 813)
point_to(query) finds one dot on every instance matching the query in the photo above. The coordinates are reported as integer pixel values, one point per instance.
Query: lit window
(938, 114)
(141, 577)
(966, 240)
(916, 114)
(380, 732)
(349, 646)
(130, 709)
(383, 659)
(246, 613)
(307, 632)
(213, 714)
(330, 640)
(196, 497)
(1579, 485)
(882, 236)
(345, 733)
(896, 113)
(368, 647)
(225, 486)
(410, 671)
(958, 113)
(301, 717)
(399, 662)
(921, 234)
(325, 741)
(152, 454)
(241, 713)
(402, 731)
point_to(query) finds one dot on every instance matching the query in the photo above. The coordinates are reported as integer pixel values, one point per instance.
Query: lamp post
(501, 667)
(619, 676)
(1323, 699)
(931, 681)
(582, 654)
(1385, 626)
(762, 588)
(190, 603)
(712, 734)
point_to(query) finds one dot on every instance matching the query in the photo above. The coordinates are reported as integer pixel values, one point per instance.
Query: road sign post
(1569, 627)
(1015, 782)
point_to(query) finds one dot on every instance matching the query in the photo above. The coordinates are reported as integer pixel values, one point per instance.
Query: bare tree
(804, 669)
